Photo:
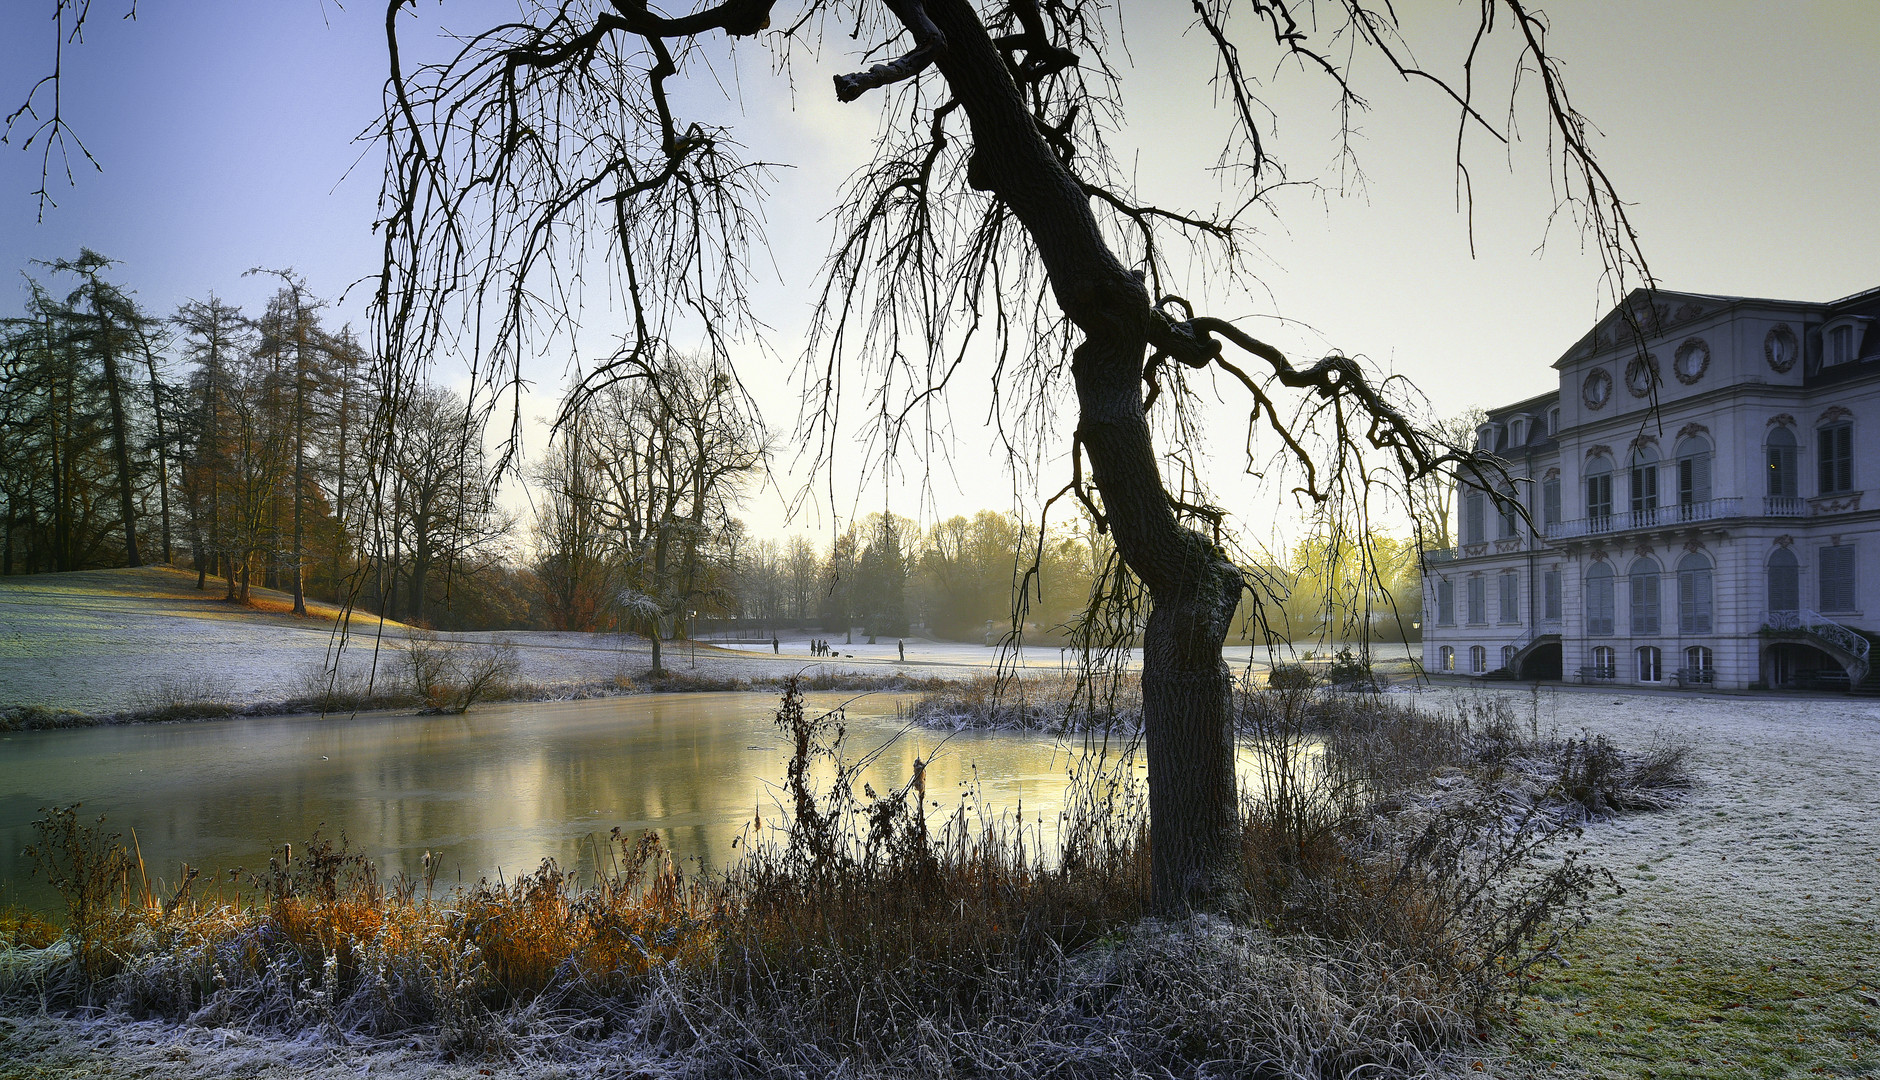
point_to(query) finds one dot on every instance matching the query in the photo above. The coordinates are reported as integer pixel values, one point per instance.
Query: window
(1478, 600)
(1835, 449)
(1478, 660)
(1837, 578)
(1507, 592)
(1448, 658)
(1550, 590)
(1599, 489)
(1474, 531)
(1694, 594)
(1507, 656)
(1650, 664)
(1693, 472)
(1605, 662)
(1550, 501)
(1553, 421)
(1507, 509)
(1779, 451)
(1785, 581)
(1838, 345)
(1518, 431)
(1698, 666)
(1644, 484)
(1445, 602)
(1599, 600)
(1645, 593)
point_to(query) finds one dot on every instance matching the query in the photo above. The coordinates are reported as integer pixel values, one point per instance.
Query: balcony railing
(1784, 506)
(1656, 517)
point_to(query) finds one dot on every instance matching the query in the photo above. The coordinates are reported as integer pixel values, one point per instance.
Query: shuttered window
(1550, 502)
(1837, 578)
(1507, 588)
(1785, 581)
(1599, 495)
(1599, 617)
(1694, 608)
(1474, 531)
(1446, 602)
(1780, 451)
(1693, 472)
(1478, 600)
(1550, 587)
(1645, 597)
(1835, 457)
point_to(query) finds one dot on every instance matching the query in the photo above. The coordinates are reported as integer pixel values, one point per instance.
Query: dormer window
(1518, 431)
(1840, 341)
(1485, 437)
(1553, 422)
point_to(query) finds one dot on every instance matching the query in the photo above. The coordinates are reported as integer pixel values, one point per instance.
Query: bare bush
(185, 697)
(450, 676)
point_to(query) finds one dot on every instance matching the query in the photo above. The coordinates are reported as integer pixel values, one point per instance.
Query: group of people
(818, 647)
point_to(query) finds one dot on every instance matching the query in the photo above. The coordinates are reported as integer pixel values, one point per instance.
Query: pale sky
(1744, 135)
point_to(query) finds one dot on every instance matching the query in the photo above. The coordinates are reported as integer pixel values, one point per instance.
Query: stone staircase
(1871, 684)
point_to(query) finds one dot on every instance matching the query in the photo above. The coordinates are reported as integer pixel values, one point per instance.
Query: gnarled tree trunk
(1193, 587)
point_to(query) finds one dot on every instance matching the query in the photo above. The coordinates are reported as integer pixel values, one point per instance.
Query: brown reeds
(883, 935)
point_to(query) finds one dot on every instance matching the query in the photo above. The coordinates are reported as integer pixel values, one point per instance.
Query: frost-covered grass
(1746, 941)
(131, 645)
(866, 943)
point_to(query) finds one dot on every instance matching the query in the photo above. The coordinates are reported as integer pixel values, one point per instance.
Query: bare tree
(994, 216)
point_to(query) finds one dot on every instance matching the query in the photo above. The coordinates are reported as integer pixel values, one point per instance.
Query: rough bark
(1192, 585)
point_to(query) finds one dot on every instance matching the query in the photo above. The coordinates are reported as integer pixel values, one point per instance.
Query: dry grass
(871, 942)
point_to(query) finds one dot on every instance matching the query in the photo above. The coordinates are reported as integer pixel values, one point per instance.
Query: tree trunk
(120, 441)
(1186, 689)
(163, 467)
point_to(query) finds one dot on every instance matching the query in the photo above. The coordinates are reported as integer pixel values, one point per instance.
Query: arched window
(1644, 482)
(1781, 454)
(1645, 596)
(1449, 658)
(1599, 492)
(1694, 594)
(1478, 660)
(1693, 475)
(1605, 662)
(1507, 655)
(1650, 663)
(1599, 600)
(1698, 666)
(1785, 581)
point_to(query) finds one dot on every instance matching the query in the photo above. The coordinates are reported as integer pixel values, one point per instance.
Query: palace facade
(1695, 506)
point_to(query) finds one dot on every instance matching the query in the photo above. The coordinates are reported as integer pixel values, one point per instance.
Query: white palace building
(1701, 511)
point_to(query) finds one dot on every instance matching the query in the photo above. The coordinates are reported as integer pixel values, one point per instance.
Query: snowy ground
(111, 641)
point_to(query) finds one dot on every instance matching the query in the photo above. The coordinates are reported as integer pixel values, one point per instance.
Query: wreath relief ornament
(1641, 374)
(1597, 390)
(1691, 360)
(1780, 348)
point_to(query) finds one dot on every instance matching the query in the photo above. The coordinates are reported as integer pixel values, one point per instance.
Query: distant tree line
(253, 448)
(261, 450)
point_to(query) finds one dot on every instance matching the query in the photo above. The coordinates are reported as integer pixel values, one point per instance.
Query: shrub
(1290, 677)
(868, 939)
(451, 676)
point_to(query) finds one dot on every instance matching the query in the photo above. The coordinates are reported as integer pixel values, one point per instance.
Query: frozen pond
(499, 788)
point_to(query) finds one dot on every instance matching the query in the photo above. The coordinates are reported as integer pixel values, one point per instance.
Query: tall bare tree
(995, 216)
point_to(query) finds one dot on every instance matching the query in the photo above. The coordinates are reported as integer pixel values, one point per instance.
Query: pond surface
(496, 790)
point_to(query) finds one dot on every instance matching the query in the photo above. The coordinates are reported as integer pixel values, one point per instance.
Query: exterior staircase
(1852, 649)
(1871, 684)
